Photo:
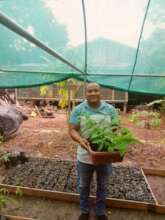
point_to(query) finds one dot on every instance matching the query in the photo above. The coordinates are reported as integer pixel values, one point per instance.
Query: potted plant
(108, 143)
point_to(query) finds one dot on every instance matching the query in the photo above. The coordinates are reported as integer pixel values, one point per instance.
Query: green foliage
(155, 122)
(44, 90)
(5, 158)
(4, 197)
(108, 138)
(4, 193)
(1, 140)
(19, 192)
(62, 91)
(162, 106)
(146, 119)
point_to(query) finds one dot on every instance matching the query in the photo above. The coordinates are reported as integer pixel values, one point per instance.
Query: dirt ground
(43, 137)
(158, 187)
(45, 209)
(49, 138)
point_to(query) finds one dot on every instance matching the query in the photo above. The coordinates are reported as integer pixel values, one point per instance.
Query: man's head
(93, 93)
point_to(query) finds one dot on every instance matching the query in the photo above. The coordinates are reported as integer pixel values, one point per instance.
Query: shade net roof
(118, 44)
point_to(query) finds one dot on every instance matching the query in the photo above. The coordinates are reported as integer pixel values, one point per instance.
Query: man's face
(93, 93)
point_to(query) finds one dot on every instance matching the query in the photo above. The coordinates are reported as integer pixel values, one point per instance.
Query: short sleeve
(114, 113)
(114, 116)
(75, 117)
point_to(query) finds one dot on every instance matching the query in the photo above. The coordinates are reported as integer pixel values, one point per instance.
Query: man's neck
(94, 105)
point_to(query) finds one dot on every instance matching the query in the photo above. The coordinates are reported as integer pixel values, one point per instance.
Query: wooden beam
(11, 217)
(38, 112)
(61, 196)
(154, 172)
(72, 99)
(148, 185)
(129, 204)
(73, 197)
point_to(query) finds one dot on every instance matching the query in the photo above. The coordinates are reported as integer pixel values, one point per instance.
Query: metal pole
(139, 41)
(69, 99)
(86, 48)
(6, 21)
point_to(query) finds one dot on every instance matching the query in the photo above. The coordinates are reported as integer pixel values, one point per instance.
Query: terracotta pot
(105, 157)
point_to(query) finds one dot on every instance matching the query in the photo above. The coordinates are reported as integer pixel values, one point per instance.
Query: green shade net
(124, 48)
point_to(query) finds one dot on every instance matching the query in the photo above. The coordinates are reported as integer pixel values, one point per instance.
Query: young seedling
(108, 138)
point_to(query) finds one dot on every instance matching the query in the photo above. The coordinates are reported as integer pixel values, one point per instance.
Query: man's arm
(114, 117)
(74, 133)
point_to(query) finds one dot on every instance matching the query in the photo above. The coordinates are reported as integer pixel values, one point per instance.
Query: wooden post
(16, 96)
(69, 98)
(113, 95)
(125, 102)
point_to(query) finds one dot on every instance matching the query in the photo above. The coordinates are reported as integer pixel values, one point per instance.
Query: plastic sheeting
(118, 44)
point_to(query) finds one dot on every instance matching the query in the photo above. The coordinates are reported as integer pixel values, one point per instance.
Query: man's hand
(85, 144)
(74, 133)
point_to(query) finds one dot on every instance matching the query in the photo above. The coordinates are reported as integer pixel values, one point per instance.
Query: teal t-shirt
(105, 114)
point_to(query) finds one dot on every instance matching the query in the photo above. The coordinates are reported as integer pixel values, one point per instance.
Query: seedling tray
(105, 157)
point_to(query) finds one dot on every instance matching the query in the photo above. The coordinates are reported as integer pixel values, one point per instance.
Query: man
(97, 110)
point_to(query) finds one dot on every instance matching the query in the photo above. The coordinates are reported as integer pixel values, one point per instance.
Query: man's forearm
(75, 136)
